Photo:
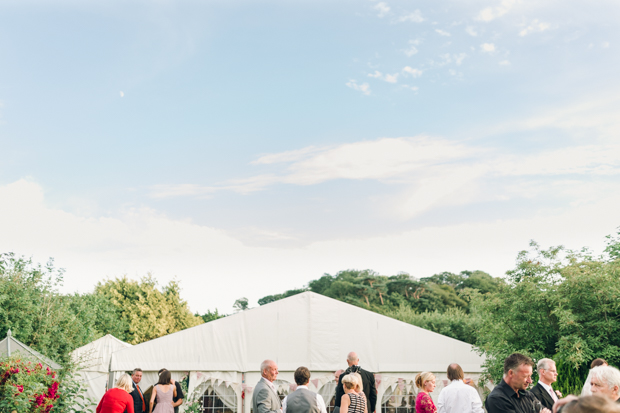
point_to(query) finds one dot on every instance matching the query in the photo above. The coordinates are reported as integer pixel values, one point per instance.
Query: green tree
(210, 315)
(557, 304)
(144, 310)
(241, 304)
(38, 315)
(271, 298)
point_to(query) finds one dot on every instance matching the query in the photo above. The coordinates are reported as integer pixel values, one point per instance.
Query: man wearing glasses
(547, 375)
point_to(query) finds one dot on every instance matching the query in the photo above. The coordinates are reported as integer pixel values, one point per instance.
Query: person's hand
(562, 402)
(545, 410)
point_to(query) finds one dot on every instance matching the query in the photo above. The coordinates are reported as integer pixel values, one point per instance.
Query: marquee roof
(306, 329)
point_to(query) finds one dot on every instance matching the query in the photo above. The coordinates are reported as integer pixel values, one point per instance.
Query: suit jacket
(137, 400)
(543, 396)
(370, 390)
(264, 399)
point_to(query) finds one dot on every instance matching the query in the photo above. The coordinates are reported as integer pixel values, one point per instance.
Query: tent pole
(8, 342)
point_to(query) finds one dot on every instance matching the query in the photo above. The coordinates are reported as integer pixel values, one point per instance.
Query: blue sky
(248, 147)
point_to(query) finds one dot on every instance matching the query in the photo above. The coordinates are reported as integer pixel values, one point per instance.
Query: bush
(27, 387)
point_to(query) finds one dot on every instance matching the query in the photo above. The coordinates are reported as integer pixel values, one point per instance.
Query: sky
(245, 148)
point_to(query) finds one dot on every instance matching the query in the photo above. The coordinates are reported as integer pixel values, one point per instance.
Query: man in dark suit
(368, 379)
(178, 400)
(547, 375)
(139, 406)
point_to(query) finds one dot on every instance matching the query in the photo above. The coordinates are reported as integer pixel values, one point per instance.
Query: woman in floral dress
(426, 383)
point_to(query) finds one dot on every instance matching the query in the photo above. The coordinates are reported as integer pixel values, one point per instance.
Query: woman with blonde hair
(118, 400)
(353, 400)
(426, 383)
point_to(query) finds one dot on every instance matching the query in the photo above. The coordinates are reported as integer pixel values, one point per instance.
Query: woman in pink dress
(426, 383)
(164, 391)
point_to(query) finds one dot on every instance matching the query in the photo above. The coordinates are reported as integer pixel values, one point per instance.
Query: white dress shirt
(549, 390)
(319, 401)
(458, 397)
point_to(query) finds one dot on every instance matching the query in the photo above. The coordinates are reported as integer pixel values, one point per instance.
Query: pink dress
(164, 400)
(424, 403)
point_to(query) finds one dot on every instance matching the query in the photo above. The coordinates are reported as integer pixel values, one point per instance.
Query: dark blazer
(370, 390)
(137, 400)
(543, 396)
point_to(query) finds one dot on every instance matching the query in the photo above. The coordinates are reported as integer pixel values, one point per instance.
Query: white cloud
(209, 261)
(364, 87)
(415, 16)
(387, 77)
(442, 32)
(505, 62)
(605, 45)
(491, 13)
(121, 93)
(412, 48)
(382, 8)
(458, 58)
(487, 47)
(391, 78)
(412, 72)
(284, 157)
(412, 88)
(535, 26)
(470, 30)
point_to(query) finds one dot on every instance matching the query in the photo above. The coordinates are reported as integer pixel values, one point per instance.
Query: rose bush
(27, 386)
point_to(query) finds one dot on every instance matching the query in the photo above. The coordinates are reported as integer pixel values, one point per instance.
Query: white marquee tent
(223, 357)
(94, 362)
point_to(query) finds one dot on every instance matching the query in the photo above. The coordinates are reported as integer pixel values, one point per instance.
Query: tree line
(555, 303)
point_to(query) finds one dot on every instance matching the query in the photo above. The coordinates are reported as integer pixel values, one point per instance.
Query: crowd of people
(356, 391)
(127, 396)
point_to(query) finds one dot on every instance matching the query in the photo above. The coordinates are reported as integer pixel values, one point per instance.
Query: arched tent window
(283, 388)
(328, 392)
(218, 398)
(399, 398)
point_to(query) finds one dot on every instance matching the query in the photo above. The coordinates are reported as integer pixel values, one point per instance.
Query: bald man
(368, 380)
(265, 397)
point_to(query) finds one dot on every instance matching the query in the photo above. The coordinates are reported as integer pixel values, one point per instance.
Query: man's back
(370, 389)
(459, 397)
(302, 401)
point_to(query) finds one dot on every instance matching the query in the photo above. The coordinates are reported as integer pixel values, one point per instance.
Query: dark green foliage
(39, 316)
(210, 315)
(557, 304)
(438, 303)
(454, 322)
(271, 298)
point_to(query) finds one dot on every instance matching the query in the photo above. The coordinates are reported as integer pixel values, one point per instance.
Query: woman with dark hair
(164, 391)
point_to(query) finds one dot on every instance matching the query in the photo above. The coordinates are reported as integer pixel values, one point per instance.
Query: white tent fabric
(93, 360)
(307, 329)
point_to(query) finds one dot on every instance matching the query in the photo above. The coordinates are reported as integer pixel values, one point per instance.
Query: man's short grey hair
(608, 374)
(265, 365)
(544, 364)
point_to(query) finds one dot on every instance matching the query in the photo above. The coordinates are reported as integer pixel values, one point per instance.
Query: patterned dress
(424, 403)
(358, 403)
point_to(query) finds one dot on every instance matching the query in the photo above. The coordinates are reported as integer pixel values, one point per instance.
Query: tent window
(399, 400)
(220, 399)
(328, 392)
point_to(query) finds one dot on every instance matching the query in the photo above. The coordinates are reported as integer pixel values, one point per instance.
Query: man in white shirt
(547, 375)
(303, 400)
(458, 397)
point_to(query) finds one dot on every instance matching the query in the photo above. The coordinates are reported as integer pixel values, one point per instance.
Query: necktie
(143, 405)
(553, 395)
